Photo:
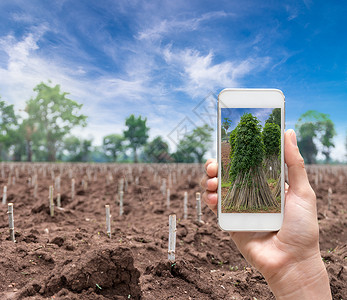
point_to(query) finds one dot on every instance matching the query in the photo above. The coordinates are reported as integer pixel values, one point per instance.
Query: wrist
(302, 280)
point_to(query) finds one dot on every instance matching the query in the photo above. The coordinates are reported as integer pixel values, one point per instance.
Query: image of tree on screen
(252, 183)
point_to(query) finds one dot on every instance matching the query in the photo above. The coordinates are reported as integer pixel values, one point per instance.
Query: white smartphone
(250, 139)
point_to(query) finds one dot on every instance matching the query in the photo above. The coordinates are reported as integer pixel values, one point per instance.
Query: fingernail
(293, 137)
(208, 182)
(210, 196)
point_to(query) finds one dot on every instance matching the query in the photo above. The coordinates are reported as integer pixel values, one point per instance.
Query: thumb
(298, 180)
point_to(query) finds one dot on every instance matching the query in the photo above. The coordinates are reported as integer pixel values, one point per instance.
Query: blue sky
(235, 114)
(166, 59)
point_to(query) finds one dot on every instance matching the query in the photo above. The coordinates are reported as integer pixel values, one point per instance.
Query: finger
(211, 199)
(209, 184)
(212, 169)
(210, 160)
(286, 186)
(297, 175)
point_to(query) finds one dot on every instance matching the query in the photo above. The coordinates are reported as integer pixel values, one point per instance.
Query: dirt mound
(105, 273)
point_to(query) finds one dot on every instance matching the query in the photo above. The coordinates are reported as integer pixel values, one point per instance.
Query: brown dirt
(69, 256)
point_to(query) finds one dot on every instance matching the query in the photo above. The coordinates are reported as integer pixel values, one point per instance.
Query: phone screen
(251, 160)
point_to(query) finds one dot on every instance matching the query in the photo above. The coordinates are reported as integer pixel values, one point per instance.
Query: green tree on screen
(113, 145)
(136, 134)
(249, 187)
(275, 117)
(55, 116)
(232, 139)
(225, 126)
(272, 145)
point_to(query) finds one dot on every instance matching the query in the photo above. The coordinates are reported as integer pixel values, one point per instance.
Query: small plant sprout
(170, 179)
(163, 188)
(4, 195)
(121, 184)
(72, 188)
(330, 192)
(51, 202)
(35, 190)
(108, 221)
(198, 207)
(172, 238)
(168, 198)
(126, 184)
(11, 221)
(316, 179)
(58, 200)
(185, 206)
(121, 203)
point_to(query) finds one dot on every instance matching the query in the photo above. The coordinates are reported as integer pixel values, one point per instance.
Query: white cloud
(169, 26)
(200, 74)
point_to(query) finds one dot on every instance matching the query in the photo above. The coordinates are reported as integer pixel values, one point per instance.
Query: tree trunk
(249, 191)
(135, 156)
(51, 152)
(29, 151)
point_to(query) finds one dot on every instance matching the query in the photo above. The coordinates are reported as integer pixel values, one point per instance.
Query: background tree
(199, 142)
(86, 147)
(8, 122)
(272, 145)
(113, 145)
(183, 154)
(314, 127)
(136, 134)
(249, 189)
(275, 117)
(157, 151)
(70, 149)
(193, 146)
(75, 149)
(55, 115)
(308, 148)
(328, 133)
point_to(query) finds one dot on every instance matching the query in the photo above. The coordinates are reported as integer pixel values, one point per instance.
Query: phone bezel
(250, 98)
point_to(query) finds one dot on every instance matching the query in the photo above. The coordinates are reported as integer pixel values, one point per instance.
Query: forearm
(302, 280)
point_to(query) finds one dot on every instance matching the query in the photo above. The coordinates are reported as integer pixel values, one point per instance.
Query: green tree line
(315, 132)
(44, 134)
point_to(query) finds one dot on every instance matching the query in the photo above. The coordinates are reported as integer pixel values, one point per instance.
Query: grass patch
(226, 184)
(271, 181)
